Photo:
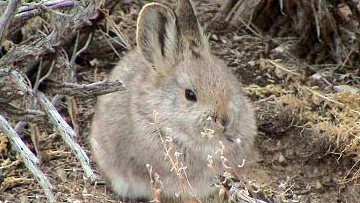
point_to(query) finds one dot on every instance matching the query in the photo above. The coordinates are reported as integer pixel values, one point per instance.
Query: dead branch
(28, 157)
(66, 131)
(58, 38)
(39, 80)
(89, 90)
(21, 114)
(71, 72)
(67, 134)
(52, 4)
(33, 103)
(30, 10)
(6, 17)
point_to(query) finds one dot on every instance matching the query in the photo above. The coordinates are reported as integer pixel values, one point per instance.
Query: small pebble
(282, 159)
(346, 88)
(279, 49)
(251, 63)
(24, 199)
(215, 37)
(237, 38)
(316, 171)
(259, 78)
(62, 175)
(318, 185)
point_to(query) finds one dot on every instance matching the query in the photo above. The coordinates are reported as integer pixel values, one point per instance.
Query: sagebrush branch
(89, 90)
(67, 133)
(30, 10)
(19, 126)
(52, 4)
(21, 114)
(50, 45)
(71, 70)
(28, 157)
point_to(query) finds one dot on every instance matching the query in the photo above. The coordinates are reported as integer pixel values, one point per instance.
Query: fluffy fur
(173, 55)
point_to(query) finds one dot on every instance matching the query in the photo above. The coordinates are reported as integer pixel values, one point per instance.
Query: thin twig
(81, 50)
(277, 65)
(71, 72)
(74, 55)
(16, 162)
(20, 114)
(50, 4)
(31, 10)
(73, 112)
(37, 83)
(35, 138)
(318, 30)
(19, 126)
(123, 39)
(110, 44)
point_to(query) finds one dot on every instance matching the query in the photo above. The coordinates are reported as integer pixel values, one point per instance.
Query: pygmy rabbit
(180, 104)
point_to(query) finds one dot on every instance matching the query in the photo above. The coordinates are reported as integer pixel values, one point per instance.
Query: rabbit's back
(112, 136)
(113, 109)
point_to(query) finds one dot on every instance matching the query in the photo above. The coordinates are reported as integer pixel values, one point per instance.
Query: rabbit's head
(193, 93)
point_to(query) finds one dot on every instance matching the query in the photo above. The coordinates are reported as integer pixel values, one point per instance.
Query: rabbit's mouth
(213, 127)
(230, 138)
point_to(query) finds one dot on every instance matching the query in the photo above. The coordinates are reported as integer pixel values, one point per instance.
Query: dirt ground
(295, 161)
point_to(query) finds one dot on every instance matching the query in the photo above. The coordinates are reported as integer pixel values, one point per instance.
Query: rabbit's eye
(190, 95)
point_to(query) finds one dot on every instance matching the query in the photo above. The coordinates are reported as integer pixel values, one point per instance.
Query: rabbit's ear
(191, 31)
(157, 35)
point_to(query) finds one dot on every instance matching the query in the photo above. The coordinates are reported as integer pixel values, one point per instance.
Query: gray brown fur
(172, 56)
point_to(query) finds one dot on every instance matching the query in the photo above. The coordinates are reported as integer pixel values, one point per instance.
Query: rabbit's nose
(224, 121)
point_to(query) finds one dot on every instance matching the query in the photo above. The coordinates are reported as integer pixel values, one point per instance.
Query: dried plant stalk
(28, 157)
(67, 134)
